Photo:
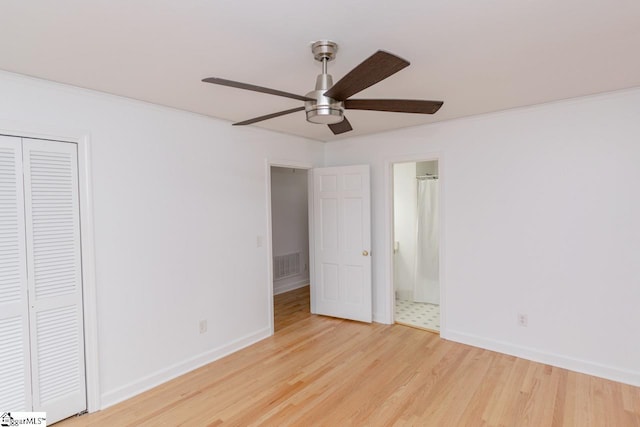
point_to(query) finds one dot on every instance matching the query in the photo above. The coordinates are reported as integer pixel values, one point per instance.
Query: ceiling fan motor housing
(323, 110)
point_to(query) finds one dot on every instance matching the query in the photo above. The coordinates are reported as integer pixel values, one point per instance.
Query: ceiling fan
(326, 104)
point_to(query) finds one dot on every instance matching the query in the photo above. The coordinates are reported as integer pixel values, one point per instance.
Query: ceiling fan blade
(342, 127)
(377, 67)
(269, 116)
(394, 105)
(254, 88)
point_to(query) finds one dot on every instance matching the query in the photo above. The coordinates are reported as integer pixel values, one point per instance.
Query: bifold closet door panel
(54, 277)
(15, 372)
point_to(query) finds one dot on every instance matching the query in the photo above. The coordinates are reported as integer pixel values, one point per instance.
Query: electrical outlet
(203, 326)
(523, 320)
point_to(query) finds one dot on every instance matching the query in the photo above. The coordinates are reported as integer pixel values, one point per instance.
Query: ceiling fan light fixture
(325, 115)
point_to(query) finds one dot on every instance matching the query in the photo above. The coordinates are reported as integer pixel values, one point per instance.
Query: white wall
(290, 222)
(404, 218)
(540, 217)
(179, 201)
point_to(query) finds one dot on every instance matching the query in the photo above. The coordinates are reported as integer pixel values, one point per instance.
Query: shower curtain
(426, 286)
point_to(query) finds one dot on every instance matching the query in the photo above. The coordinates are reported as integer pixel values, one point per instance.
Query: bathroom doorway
(416, 244)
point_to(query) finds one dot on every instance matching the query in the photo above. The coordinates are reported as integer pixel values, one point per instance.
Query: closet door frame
(87, 242)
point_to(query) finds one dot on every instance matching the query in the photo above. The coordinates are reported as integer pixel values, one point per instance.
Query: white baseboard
(143, 384)
(577, 365)
(281, 288)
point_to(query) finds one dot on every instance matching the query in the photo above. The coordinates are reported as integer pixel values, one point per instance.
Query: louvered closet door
(54, 277)
(15, 379)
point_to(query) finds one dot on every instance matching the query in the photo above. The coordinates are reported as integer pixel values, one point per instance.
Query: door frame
(389, 229)
(89, 302)
(291, 164)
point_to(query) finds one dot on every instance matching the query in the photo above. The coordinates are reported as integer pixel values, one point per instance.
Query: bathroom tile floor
(418, 314)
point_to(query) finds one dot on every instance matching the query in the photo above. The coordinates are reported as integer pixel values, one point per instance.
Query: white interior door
(15, 363)
(54, 277)
(341, 285)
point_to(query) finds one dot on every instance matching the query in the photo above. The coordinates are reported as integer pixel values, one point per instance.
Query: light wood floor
(290, 308)
(329, 372)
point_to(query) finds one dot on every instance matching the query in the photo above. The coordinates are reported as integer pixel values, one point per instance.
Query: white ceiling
(477, 56)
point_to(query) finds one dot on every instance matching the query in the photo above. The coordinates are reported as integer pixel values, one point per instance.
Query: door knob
(365, 253)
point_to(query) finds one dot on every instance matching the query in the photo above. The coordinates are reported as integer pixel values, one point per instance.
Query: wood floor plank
(322, 371)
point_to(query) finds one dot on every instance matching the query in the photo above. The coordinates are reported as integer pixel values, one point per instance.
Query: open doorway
(416, 248)
(290, 245)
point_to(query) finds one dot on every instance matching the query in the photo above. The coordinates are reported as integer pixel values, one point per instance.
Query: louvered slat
(57, 331)
(53, 248)
(14, 389)
(15, 378)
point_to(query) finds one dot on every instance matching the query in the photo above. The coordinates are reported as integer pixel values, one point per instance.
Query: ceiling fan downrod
(323, 110)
